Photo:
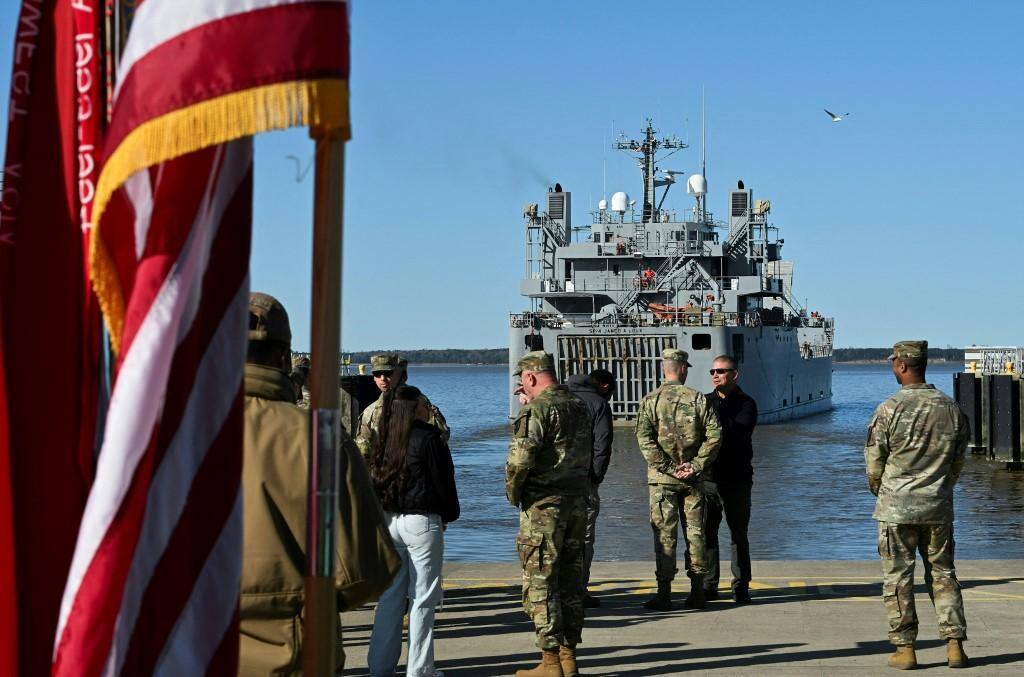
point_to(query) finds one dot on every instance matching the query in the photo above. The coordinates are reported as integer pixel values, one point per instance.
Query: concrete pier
(808, 618)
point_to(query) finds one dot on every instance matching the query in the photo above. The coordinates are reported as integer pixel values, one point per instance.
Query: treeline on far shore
(500, 355)
(442, 356)
(881, 354)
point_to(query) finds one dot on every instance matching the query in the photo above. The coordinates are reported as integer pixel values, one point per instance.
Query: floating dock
(808, 618)
(989, 392)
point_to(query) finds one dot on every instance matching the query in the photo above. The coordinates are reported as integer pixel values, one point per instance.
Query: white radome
(602, 205)
(620, 202)
(697, 185)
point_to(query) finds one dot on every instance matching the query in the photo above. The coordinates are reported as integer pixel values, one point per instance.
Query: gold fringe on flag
(321, 104)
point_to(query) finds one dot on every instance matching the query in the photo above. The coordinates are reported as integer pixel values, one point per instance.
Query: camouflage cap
(676, 355)
(536, 360)
(268, 320)
(379, 363)
(910, 349)
(300, 362)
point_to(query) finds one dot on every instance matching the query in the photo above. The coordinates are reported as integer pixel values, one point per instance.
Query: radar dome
(620, 202)
(697, 185)
(602, 205)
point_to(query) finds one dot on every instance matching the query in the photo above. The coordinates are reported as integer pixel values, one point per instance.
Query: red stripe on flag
(209, 506)
(225, 659)
(252, 49)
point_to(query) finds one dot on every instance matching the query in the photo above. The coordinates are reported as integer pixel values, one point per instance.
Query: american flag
(154, 582)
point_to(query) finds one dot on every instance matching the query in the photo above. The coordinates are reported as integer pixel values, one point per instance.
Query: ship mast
(648, 149)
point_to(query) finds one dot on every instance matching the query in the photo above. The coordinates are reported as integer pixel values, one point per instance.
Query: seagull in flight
(835, 118)
(300, 173)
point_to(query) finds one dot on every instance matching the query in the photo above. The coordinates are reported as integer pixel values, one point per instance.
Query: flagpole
(321, 611)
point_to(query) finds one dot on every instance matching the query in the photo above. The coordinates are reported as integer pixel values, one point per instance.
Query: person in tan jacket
(274, 485)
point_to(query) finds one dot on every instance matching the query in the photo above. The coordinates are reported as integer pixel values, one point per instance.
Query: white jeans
(419, 540)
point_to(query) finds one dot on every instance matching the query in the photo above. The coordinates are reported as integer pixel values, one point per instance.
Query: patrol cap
(536, 360)
(379, 363)
(676, 355)
(910, 349)
(300, 362)
(268, 320)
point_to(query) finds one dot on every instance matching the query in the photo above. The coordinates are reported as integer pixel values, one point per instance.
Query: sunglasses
(719, 371)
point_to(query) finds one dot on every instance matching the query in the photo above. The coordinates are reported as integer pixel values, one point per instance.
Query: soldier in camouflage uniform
(390, 371)
(300, 377)
(914, 454)
(547, 477)
(679, 436)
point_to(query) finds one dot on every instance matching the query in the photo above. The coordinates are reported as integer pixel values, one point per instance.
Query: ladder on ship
(692, 273)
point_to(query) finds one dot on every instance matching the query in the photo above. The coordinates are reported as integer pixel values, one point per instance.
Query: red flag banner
(154, 582)
(8, 576)
(49, 345)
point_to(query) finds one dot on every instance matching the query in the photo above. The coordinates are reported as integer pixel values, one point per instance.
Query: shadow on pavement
(751, 656)
(509, 663)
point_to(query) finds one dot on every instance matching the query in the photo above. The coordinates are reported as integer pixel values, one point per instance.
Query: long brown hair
(387, 460)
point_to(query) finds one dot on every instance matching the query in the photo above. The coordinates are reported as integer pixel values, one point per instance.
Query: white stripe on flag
(139, 190)
(158, 21)
(218, 379)
(211, 607)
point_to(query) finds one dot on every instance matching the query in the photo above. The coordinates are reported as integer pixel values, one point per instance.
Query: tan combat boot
(904, 658)
(567, 657)
(550, 666)
(663, 600)
(955, 653)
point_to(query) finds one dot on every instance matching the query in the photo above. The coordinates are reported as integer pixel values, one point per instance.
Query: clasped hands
(684, 471)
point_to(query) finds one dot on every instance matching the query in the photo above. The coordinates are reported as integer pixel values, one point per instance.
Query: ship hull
(776, 366)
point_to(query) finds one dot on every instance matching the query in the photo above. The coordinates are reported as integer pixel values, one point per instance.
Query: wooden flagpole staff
(321, 610)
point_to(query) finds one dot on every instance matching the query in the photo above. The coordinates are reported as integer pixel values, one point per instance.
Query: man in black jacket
(595, 389)
(734, 473)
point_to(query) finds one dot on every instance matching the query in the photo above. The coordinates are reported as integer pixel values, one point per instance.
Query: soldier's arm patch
(521, 427)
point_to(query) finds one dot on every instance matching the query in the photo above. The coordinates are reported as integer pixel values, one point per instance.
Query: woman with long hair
(414, 477)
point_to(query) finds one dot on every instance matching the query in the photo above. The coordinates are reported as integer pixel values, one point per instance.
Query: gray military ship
(637, 279)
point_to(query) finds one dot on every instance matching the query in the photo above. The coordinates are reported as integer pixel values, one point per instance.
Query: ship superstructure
(642, 277)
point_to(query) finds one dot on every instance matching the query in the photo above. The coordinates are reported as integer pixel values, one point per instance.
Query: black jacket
(601, 413)
(737, 413)
(430, 483)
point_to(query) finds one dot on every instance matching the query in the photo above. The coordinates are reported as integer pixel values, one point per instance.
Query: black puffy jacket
(601, 413)
(430, 483)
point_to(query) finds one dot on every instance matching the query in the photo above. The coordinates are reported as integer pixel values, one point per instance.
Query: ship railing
(669, 318)
(607, 217)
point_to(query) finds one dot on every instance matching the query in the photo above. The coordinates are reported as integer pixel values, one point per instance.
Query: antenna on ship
(703, 155)
(604, 169)
(697, 185)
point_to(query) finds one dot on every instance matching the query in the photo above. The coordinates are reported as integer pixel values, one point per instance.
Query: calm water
(810, 495)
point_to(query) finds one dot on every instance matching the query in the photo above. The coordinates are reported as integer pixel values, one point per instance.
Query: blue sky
(903, 220)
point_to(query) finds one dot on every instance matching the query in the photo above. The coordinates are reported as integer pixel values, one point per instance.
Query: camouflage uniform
(300, 377)
(914, 454)
(369, 418)
(675, 424)
(546, 475)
